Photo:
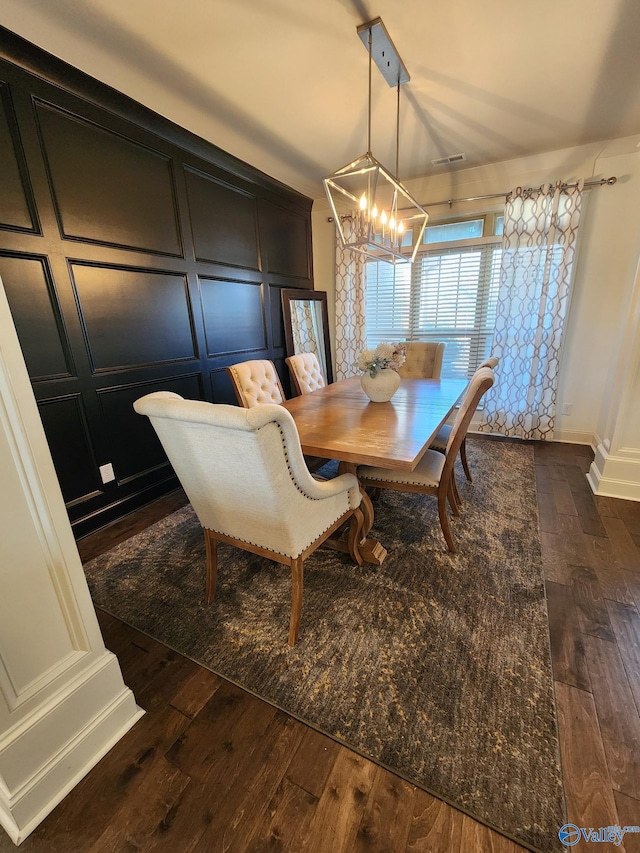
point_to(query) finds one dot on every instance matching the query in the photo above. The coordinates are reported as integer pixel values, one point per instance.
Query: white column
(63, 703)
(615, 470)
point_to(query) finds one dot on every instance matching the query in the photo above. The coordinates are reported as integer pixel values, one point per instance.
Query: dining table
(340, 422)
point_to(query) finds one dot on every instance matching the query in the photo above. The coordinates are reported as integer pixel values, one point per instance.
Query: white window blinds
(446, 295)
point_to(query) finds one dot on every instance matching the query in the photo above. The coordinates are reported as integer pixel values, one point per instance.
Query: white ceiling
(282, 84)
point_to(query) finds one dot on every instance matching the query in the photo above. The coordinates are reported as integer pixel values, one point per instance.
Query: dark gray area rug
(434, 665)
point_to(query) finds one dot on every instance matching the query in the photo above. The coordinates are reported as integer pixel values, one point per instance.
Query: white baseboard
(56, 762)
(615, 476)
(609, 476)
(564, 435)
(570, 436)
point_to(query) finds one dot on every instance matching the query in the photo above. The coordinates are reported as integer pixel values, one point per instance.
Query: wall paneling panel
(135, 257)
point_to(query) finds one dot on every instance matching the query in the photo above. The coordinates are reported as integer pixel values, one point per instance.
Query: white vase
(381, 387)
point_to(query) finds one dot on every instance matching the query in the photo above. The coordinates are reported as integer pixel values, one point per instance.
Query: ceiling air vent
(452, 158)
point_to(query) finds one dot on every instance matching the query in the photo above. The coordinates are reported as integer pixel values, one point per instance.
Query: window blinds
(447, 295)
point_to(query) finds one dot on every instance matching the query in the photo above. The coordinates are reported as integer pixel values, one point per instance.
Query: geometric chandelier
(386, 222)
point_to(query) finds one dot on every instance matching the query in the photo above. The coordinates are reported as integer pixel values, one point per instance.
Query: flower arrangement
(383, 356)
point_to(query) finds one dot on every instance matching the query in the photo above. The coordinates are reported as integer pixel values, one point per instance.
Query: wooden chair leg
(444, 521)
(211, 546)
(356, 526)
(463, 458)
(456, 493)
(296, 600)
(451, 495)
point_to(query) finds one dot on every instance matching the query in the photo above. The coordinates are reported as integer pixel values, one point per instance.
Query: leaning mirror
(306, 326)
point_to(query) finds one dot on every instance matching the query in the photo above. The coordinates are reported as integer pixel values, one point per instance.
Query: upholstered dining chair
(245, 476)
(305, 372)
(442, 436)
(434, 473)
(255, 382)
(423, 361)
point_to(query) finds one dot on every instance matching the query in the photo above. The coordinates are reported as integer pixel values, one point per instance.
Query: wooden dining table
(340, 422)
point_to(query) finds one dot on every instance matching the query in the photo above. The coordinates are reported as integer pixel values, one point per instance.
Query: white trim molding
(615, 471)
(615, 476)
(42, 760)
(566, 436)
(63, 703)
(571, 436)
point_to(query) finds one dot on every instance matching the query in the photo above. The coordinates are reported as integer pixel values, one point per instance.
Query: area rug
(434, 665)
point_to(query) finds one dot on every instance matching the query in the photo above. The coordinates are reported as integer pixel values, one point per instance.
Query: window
(448, 294)
(454, 231)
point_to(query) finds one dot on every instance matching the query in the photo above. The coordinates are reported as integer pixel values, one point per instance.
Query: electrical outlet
(106, 472)
(566, 409)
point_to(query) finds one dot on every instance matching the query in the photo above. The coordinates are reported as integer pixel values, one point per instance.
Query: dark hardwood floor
(212, 768)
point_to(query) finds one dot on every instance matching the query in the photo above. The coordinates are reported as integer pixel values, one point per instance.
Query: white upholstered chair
(305, 372)
(423, 361)
(245, 476)
(442, 437)
(433, 474)
(255, 382)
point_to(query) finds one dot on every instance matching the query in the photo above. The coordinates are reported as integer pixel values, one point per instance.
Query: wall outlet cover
(106, 472)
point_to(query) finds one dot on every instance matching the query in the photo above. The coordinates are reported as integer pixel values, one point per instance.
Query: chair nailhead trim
(286, 456)
(302, 492)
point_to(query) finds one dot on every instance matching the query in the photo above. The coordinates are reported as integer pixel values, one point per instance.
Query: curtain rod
(608, 182)
(601, 183)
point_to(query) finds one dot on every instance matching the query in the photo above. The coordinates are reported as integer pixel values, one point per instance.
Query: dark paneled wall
(136, 257)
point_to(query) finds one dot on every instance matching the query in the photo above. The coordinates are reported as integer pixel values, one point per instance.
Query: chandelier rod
(398, 131)
(370, 65)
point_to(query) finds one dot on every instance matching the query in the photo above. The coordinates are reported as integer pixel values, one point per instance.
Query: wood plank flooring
(212, 768)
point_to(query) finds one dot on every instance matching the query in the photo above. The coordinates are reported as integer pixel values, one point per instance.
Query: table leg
(372, 550)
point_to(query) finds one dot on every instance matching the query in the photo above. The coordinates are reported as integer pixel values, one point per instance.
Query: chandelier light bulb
(383, 217)
(374, 212)
(363, 201)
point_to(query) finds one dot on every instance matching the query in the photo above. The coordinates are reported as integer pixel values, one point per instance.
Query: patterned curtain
(351, 336)
(303, 329)
(539, 242)
(306, 329)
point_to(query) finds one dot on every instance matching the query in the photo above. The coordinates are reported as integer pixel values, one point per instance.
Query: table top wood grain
(340, 422)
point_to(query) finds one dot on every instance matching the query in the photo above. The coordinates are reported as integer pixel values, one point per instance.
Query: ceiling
(282, 84)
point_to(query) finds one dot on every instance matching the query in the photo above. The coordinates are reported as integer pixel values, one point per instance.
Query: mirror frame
(289, 295)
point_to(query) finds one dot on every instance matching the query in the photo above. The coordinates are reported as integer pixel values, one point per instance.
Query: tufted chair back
(305, 372)
(245, 476)
(424, 360)
(255, 382)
